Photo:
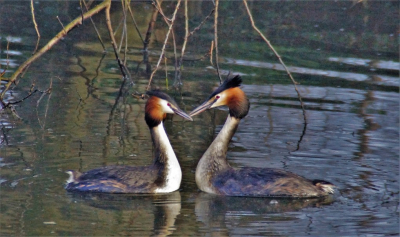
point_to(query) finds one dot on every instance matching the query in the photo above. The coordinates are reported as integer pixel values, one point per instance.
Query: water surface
(343, 54)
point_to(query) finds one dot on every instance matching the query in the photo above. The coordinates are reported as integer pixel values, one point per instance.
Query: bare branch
(61, 23)
(134, 22)
(147, 40)
(216, 39)
(165, 43)
(122, 67)
(179, 66)
(278, 56)
(36, 27)
(94, 26)
(201, 24)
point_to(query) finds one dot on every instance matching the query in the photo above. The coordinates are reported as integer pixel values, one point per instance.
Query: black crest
(228, 83)
(161, 95)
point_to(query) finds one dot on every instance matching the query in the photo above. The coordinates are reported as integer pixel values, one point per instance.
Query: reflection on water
(383, 80)
(225, 216)
(144, 214)
(345, 56)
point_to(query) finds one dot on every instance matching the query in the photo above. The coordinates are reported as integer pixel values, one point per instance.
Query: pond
(343, 54)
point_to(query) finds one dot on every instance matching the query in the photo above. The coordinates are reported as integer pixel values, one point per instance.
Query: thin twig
(165, 43)
(201, 24)
(175, 56)
(36, 27)
(216, 39)
(166, 72)
(81, 8)
(61, 24)
(122, 67)
(94, 26)
(126, 35)
(147, 40)
(211, 52)
(279, 58)
(134, 22)
(159, 8)
(48, 91)
(179, 67)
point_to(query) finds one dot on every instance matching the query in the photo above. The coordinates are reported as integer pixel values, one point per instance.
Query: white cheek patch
(221, 100)
(165, 107)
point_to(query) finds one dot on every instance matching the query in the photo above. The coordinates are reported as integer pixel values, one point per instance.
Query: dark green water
(344, 55)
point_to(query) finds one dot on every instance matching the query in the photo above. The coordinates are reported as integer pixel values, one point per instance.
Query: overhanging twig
(278, 56)
(216, 39)
(36, 27)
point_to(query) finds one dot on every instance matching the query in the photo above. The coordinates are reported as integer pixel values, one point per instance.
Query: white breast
(173, 169)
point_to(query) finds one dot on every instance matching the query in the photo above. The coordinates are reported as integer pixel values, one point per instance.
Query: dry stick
(48, 91)
(81, 8)
(126, 34)
(165, 43)
(278, 56)
(122, 34)
(36, 27)
(178, 71)
(123, 28)
(201, 24)
(146, 41)
(216, 39)
(134, 22)
(175, 57)
(52, 42)
(95, 28)
(211, 52)
(60, 22)
(191, 33)
(122, 67)
(159, 8)
(166, 72)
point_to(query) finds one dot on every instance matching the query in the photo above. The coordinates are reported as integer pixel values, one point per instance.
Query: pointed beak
(181, 113)
(206, 105)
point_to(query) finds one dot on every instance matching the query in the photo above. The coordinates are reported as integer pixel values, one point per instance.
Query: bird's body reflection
(225, 214)
(145, 214)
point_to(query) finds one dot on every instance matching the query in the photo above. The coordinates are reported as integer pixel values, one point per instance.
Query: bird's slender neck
(170, 173)
(162, 146)
(214, 159)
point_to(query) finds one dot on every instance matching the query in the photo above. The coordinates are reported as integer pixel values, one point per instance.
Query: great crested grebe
(215, 175)
(163, 176)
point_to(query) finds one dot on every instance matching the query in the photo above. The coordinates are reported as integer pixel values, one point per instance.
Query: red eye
(168, 104)
(217, 97)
